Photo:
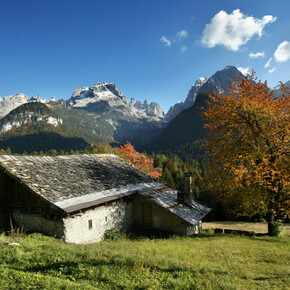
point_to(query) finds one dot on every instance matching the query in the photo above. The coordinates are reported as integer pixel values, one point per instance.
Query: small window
(90, 222)
(106, 219)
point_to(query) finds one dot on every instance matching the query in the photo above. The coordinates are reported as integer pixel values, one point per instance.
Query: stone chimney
(186, 196)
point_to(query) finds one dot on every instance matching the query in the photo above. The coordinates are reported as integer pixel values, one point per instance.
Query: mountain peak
(101, 84)
(105, 96)
(7, 104)
(216, 83)
(230, 67)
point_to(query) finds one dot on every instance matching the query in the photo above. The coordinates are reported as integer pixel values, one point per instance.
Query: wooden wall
(16, 196)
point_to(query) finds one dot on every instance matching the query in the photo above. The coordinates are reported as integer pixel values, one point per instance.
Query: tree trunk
(270, 220)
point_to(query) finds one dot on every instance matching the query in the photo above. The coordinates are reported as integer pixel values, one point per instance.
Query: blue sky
(152, 50)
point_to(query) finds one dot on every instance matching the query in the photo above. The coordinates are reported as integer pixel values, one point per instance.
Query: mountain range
(101, 113)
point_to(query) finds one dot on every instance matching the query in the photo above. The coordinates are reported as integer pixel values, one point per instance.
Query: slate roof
(166, 198)
(57, 178)
(76, 182)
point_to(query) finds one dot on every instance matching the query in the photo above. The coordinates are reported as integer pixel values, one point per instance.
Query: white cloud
(181, 35)
(272, 70)
(165, 41)
(244, 70)
(282, 52)
(234, 29)
(257, 54)
(183, 49)
(268, 62)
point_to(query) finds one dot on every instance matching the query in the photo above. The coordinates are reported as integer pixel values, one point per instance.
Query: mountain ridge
(101, 113)
(217, 83)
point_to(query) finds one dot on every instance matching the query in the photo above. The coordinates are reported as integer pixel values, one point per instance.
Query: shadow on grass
(152, 234)
(70, 269)
(262, 278)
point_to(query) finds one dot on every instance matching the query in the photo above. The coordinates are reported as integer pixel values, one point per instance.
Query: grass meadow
(207, 261)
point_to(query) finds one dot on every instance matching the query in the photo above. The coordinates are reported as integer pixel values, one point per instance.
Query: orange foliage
(248, 142)
(138, 160)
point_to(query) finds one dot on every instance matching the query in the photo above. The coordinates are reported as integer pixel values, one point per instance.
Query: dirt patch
(259, 228)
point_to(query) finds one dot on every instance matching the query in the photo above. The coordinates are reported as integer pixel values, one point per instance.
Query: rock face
(219, 82)
(30, 117)
(29, 112)
(101, 95)
(189, 101)
(105, 96)
(174, 111)
(11, 102)
(216, 83)
(152, 109)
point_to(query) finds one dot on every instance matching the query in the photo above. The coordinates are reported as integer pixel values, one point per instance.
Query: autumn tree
(139, 160)
(100, 148)
(248, 142)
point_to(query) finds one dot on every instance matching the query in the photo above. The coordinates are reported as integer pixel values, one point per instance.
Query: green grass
(201, 262)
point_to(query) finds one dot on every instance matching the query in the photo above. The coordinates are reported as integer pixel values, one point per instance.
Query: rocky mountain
(104, 97)
(27, 113)
(100, 113)
(180, 106)
(189, 101)
(278, 90)
(219, 82)
(11, 102)
(36, 127)
(216, 83)
(152, 109)
(185, 130)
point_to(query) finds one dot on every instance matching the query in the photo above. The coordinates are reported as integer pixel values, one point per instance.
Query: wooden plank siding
(16, 195)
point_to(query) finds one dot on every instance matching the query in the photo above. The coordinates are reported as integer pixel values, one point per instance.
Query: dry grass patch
(259, 228)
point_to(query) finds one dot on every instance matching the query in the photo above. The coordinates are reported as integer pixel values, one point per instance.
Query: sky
(153, 50)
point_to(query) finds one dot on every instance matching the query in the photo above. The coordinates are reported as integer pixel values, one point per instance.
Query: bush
(277, 228)
(113, 235)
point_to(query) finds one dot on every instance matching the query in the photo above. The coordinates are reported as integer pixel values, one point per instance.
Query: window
(90, 222)
(106, 219)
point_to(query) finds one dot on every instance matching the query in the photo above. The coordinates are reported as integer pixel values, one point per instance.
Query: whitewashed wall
(117, 215)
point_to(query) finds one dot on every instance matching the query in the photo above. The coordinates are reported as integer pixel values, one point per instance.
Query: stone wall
(148, 215)
(51, 226)
(196, 229)
(90, 226)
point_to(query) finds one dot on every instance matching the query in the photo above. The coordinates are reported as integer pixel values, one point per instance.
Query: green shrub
(113, 235)
(277, 228)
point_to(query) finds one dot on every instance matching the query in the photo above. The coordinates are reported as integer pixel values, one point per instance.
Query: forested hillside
(183, 134)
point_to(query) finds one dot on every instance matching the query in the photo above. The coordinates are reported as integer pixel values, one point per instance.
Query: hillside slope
(185, 128)
(35, 127)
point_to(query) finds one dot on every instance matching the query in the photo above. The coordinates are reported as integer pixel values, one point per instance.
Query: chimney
(187, 190)
(186, 196)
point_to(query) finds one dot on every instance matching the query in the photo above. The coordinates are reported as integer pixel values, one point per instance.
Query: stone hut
(79, 197)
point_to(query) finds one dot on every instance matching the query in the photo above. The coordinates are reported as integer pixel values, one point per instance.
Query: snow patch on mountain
(104, 96)
(11, 102)
(27, 117)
